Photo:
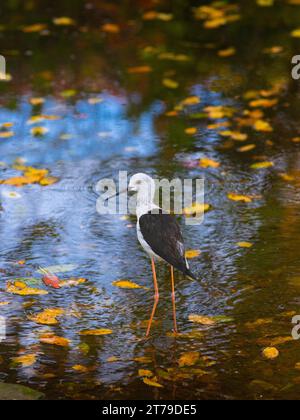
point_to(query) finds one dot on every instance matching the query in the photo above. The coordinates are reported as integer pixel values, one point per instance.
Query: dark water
(129, 130)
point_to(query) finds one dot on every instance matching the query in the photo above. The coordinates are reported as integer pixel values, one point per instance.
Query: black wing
(162, 233)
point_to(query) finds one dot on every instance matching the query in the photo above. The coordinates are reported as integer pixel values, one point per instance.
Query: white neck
(145, 200)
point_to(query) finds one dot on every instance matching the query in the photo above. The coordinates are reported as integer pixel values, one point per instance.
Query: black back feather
(162, 233)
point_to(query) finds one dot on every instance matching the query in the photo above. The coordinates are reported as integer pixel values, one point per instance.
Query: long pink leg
(173, 299)
(156, 297)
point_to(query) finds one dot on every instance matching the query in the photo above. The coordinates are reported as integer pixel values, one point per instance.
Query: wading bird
(160, 236)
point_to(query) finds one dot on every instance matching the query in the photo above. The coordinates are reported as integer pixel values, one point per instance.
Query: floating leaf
(71, 282)
(102, 331)
(262, 165)
(247, 148)
(63, 21)
(270, 353)
(139, 70)
(170, 83)
(245, 244)
(39, 131)
(208, 163)
(36, 101)
(47, 317)
(190, 131)
(295, 33)
(112, 359)
(6, 134)
(80, 368)
(19, 288)
(203, 320)
(50, 338)
(189, 359)
(264, 126)
(191, 100)
(152, 382)
(36, 27)
(228, 52)
(111, 28)
(145, 373)
(143, 359)
(196, 208)
(26, 360)
(265, 103)
(239, 197)
(126, 284)
(192, 253)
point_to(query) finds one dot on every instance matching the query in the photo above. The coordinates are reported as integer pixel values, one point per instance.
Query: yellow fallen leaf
(265, 3)
(47, 317)
(39, 131)
(111, 28)
(7, 125)
(36, 101)
(295, 33)
(265, 103)
(247, 148)
(191, 100)
(72, 282)
(139, 70)
(26, 360)
(152, 382)
(126, 284)
(264, 126)
(239, 197)
(4, 303)
(6, 134)
(261, 165)
(64, 21)
(102, 331)
(170, 83)
(80, 368)
(287, 177)
(189, 359)
(145, 373)
(143, 359)
(203, 320)
(19, 288)
(50, 338)
(244, 244)
(190, 130)
(36, 27)
(208, 163)
(153, 15)
(228, 52)
(196, 208)
(270, 353)
(50, 180)
(192, 253)
(112, 359)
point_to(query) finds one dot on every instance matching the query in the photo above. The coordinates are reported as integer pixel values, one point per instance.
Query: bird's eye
(138, 182)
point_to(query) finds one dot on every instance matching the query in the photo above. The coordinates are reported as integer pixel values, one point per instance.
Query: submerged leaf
(189, 358)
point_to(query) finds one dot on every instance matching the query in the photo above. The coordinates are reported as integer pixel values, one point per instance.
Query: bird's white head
(144, 185)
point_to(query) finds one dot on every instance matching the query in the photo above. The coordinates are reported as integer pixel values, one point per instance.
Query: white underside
(144, 244)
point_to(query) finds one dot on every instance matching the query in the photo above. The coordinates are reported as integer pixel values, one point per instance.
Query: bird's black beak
(126, 190)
